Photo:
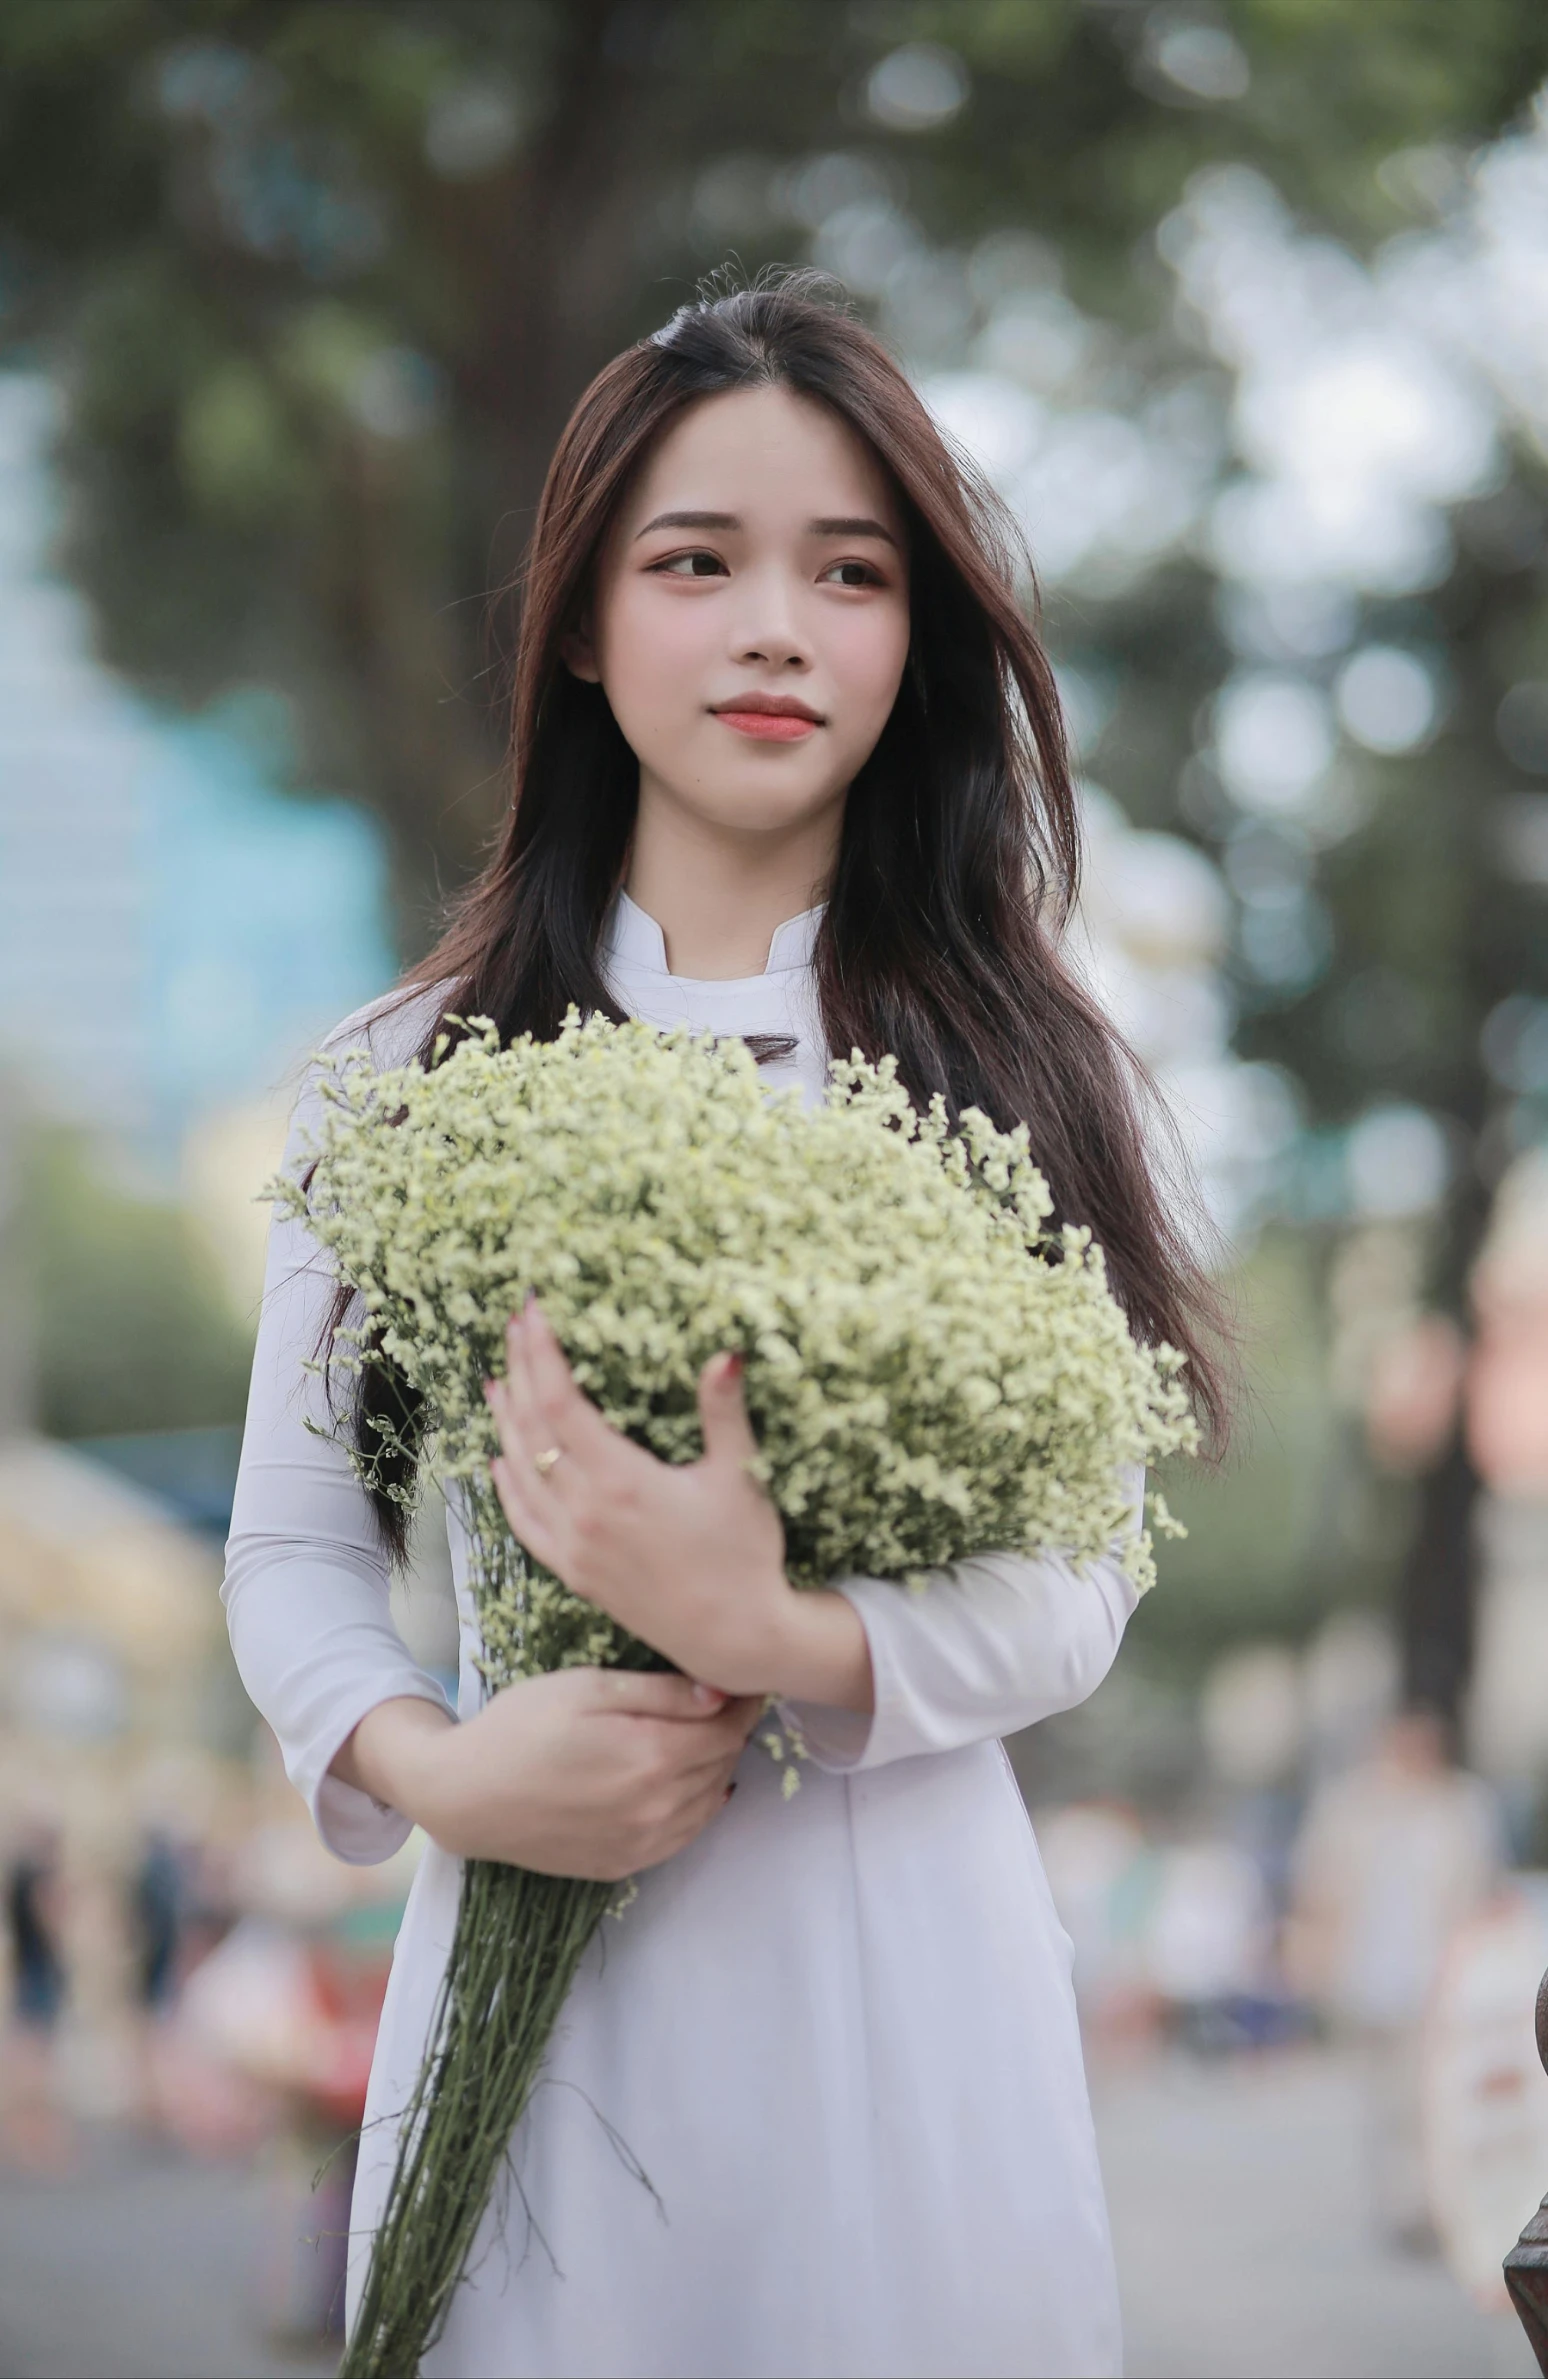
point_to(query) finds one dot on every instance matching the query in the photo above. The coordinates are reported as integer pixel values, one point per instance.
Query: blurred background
(1244, 306)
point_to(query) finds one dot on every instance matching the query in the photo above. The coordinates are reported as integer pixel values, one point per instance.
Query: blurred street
(1236, 2190)
(166, 2247)
(1244, 2245)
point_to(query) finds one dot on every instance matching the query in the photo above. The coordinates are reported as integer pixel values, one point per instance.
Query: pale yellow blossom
(930, 1370)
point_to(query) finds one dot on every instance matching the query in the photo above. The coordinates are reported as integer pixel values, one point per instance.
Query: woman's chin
(758, 815)
(742, 798)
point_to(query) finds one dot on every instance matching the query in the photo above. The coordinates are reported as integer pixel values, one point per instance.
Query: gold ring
(543, 1463)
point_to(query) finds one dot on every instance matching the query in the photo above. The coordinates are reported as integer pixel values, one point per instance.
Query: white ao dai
(837, 2032)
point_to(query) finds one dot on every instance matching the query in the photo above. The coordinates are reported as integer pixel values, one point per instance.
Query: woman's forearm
(395, 1753)
(820, 1653)
(589, 1772)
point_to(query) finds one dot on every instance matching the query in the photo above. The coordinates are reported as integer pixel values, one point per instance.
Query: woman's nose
(768, 628)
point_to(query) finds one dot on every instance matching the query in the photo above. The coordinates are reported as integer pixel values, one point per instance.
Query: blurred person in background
(1208, 1947)
(161, 1905)
(1393, 1855)
(35, 2130)
(1100, 1866)
(158, 1899)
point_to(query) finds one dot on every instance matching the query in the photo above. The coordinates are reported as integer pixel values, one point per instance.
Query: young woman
(787, 764)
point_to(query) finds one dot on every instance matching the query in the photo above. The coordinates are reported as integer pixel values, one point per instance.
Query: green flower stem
(519, 1940)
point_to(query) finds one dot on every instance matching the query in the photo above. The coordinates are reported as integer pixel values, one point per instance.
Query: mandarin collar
(633, 938)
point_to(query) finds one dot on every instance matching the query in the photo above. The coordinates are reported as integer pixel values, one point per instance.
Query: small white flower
(930, 1372)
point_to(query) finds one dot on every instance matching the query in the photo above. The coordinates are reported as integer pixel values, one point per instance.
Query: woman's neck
(718, 898)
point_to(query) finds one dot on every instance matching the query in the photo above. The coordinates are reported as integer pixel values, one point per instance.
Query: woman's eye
(693, 565)
(852, 574)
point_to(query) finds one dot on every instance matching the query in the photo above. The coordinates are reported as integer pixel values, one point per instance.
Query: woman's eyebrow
(689, 520)
(860, 526)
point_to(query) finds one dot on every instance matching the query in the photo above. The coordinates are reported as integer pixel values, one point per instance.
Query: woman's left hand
(687, 1556)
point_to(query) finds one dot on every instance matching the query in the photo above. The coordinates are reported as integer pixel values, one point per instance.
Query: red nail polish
(733, 1367)
(726, 1795)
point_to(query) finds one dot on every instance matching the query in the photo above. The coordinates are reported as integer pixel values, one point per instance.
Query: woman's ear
(578, 654)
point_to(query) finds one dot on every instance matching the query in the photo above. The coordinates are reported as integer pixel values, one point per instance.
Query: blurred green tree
(321, 278)
(130, 1327)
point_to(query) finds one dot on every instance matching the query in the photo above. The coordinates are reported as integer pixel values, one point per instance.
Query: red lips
(771, 718)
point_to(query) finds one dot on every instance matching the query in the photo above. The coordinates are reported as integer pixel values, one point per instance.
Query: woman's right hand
(588, 1772)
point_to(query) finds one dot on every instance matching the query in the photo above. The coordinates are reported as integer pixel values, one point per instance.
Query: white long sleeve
(989, 1646)
(307, 1583)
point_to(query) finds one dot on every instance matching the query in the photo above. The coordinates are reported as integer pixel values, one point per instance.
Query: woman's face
(750, 621)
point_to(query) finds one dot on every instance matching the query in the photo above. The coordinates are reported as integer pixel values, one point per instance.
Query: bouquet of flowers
(930, 1369)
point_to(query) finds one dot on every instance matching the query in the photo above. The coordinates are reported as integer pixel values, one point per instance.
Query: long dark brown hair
(960, 846)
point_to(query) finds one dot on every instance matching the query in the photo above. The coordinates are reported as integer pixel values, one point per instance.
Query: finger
(523, 1481)
(531, 1435)
(572, 1419)
(529, 1524)
(702, 1753)
(520, 1399)
(505, 1411)
(728, 1434)
(512, 1399)
(656, 1693)
(705, 1801)
(714, 1749)
(733, 1725)
(745, 1711)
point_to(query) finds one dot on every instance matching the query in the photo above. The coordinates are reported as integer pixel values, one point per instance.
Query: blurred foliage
(324, 276)
(1264, 1515)
(321, 279)
(131, 1326)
